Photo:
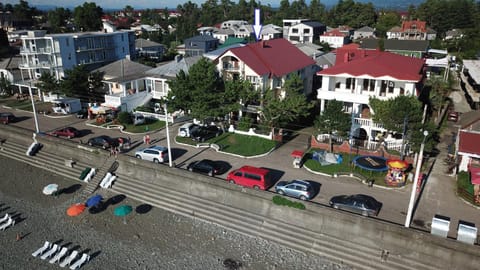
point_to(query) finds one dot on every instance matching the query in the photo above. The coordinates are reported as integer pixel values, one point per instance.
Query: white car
(155, 153)
(186, 129)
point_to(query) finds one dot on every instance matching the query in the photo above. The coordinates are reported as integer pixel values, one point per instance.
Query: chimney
(346, 57)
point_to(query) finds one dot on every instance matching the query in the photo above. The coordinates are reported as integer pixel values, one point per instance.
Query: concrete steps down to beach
(44, 160)
(358, 256)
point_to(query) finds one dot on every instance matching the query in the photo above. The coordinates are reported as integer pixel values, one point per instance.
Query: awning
(99, 109)
(475, 175)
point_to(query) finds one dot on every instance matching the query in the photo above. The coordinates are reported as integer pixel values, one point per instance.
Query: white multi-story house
(305, 32)
(260, 64)
(412, 30)
(270, 31)
(55, 53)
(361, 74)
(335, 38)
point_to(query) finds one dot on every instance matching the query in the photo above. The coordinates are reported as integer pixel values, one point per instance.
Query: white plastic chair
(49, 253)
(105, 179)
(59, 255)
(39, 251)
(110, 181)
(10, 222)
(4, 218)
(85, 258)
(68, 260)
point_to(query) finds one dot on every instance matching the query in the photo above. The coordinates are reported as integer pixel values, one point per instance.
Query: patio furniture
(49, 253)
(85, 258)
(59, 255)
(68, 260)
(39, 251)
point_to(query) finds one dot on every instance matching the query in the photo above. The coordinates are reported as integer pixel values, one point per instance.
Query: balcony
(229, 66)
(44, 50)
(36, 65)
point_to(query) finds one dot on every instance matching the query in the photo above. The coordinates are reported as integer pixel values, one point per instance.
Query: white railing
(250, 132)
(172, 118)
(326, 138)
(113, 100)
(366, 122)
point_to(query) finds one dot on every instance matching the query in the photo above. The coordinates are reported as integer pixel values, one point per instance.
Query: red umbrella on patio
(76, 209)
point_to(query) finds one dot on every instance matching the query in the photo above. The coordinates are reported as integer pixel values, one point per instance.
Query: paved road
(438, 197)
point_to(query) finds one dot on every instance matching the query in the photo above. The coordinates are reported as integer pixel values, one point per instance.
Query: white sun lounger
(49, 253)
(39, 251)
(59, 255)
(10, 222)
(85, 258)
(4, 218)
(68, 260)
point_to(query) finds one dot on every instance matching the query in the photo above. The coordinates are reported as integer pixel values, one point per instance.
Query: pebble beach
(147, 238)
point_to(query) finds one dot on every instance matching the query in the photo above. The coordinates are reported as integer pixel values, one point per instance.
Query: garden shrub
(279, 200)
(244, 124)
(125, 118)
(464, 182)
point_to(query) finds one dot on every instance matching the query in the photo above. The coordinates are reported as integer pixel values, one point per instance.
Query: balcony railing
(230, 67)
(36, 65)
(366, 122)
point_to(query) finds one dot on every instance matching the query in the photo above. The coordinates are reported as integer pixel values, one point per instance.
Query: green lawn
(343, 168)
(150, 125)
(238, 144)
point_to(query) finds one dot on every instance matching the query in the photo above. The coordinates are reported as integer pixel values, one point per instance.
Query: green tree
(75, 82)
(6, 88)
(200, 91)
(276, 110)
(333, 121)
(58, 19)
(439, 92)
(88, 17)
(48, 83)
(4, 45)
(386, 21)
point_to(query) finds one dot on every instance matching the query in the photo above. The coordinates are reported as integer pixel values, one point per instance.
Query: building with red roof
(267, 64)
(412, 30)
(360, 74)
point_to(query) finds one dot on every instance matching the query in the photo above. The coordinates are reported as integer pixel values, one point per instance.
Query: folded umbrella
(50, 189)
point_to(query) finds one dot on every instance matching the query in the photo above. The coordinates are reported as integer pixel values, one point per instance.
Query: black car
(206, 166)
(360, 203)
(83, 113)
(102, 141)
(203, 133)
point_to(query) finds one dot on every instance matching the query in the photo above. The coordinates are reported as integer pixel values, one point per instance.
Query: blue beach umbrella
(94, 200)
(123, 211)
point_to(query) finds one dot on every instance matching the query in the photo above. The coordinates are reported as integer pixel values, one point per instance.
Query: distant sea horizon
(378, 4)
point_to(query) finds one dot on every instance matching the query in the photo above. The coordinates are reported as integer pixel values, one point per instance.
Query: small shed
(66, 105)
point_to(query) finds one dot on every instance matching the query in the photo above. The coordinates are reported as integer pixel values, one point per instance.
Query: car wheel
(256, 187)
(138, 156)
(90, 143)
(365, 213)
(183, 134)
(303, 198)
(190, 169)
(69, 137)
(210, 173)
(156, 161)
(231, 182)
(335, 206)
(280, 192)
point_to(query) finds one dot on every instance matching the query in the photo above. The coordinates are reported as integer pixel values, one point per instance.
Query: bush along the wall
(279, 200)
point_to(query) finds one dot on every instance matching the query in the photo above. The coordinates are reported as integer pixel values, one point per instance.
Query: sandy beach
(151, 238)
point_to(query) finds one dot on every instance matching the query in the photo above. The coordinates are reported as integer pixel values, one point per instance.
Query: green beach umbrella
(123, 211)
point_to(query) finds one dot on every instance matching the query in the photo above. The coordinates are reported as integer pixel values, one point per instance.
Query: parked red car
(69, 132)
(252, 177)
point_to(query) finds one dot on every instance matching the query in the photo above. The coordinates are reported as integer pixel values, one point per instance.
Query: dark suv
(6, 118)
(102, 141)
(203, 133)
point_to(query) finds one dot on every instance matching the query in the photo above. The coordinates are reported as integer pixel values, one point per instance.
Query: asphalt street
(438, 196)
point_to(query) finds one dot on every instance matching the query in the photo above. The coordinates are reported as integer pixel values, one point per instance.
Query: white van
(186, 129)
(138, 119)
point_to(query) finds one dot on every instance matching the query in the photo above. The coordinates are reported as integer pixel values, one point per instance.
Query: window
(253, 176)
(238, 174)
(350, 84)
(337, 85)
(295, 30)
(372, 86)
(306, 31)
(391, 86)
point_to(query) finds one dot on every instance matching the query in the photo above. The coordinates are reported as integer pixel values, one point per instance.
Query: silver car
(300, 189)
(155, 153)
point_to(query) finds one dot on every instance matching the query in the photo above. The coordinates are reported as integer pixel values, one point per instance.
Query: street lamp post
(415, 181)
(34, 110)
(168, 137)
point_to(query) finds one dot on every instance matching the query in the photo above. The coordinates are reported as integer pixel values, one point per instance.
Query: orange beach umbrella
(76, 209)
(397, 164)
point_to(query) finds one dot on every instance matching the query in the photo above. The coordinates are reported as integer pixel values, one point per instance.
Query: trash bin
(467, 232)
(440, 226)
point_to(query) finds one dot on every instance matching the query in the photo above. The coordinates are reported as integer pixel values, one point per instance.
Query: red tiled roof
(420, 26)
(276, 56)
(468, 142)
(377, 64)
(333, 33)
